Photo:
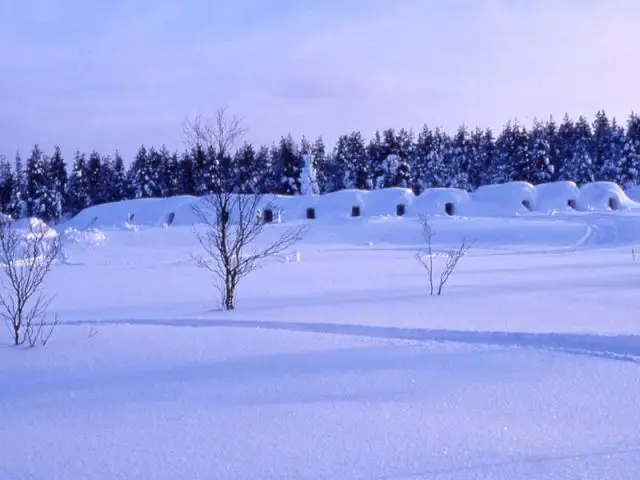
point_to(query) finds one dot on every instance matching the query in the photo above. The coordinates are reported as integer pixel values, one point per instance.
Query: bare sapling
(26, 258)
(425, 257)
(230, 225)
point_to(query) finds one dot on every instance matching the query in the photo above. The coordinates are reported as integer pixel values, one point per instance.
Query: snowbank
(557, 196)
(389, 202)
(442, 201)
(599, 196)
(507, 199)
(343, 204)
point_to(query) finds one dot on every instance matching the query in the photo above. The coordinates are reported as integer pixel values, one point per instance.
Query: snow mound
(442, 201)
(389, 202)
(604, 196)
(504, 200)
(90, 236)
(557, 196)
(34, 226)
(507, 199)
(343, 204)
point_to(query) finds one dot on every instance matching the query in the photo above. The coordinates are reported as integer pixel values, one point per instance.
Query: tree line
(580, 151)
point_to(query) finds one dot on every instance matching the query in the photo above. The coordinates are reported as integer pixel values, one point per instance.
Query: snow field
(339, 366)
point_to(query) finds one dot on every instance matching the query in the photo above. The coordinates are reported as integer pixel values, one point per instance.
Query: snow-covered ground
(339, 366)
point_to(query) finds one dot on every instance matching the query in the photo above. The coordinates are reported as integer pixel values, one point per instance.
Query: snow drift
(504, 200)
(604, 196)
(557, 196)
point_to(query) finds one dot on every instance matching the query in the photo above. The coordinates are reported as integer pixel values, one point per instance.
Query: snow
(513, 198)
(604, 196)
(338, 364)
(557, 196)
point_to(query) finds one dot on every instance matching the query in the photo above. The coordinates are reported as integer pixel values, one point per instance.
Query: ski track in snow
(613, 347)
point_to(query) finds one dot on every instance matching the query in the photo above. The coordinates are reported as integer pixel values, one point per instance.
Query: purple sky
(109, 74)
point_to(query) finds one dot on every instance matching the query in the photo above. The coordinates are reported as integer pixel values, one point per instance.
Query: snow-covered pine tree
(289, 166)
(318, 150)
(552, 140)
(264, 171)
(159, 162)
(139, 174)
(118, 186)
(564, 146)
(513, 151)
(40, 197)
(600, 143)
(351, 168)
(610, 170)
(171, 177)
(245, 169)
(536, 167)
(582, 165)
(187, 174)
(58, 178)
(18, 205)
(630, 167)
(482, 158)
(77, 192)
(7, 186)
(95, 180)
(457, 160)
(308, 176)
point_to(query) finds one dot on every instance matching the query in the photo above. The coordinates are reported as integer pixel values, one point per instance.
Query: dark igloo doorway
(450, 208)
(268, 215)
(614, 203)
(355, 211)
(311, 213)
(401, 209)
(571, 203)
(527, 204)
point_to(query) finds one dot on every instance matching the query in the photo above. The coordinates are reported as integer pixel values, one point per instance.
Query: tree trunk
(229, 294)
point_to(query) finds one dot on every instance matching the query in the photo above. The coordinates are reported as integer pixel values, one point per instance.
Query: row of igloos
(356, 211)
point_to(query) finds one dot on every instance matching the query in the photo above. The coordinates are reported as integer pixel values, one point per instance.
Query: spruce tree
(289, 166)
(582, 165)
(40, 197)
(564, 146)
(7, 186)
(536, 166)
(352, 168)
(95, 180)
(246, 172)
(78, 191)
(630, 167)
(187, 175)
(18, 205)
(318, 150)
(58, 179)
(172, 179)
(601, 144)
(119, 188)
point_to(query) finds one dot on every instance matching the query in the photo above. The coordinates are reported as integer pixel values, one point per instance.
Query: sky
(115, 74)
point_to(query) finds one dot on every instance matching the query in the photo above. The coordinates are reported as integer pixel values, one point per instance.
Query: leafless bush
(232, 225)
(26, 258)
(451, 258)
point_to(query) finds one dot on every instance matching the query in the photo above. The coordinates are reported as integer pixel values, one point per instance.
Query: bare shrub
(451, 257)
(231, 223)
(26, 258)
